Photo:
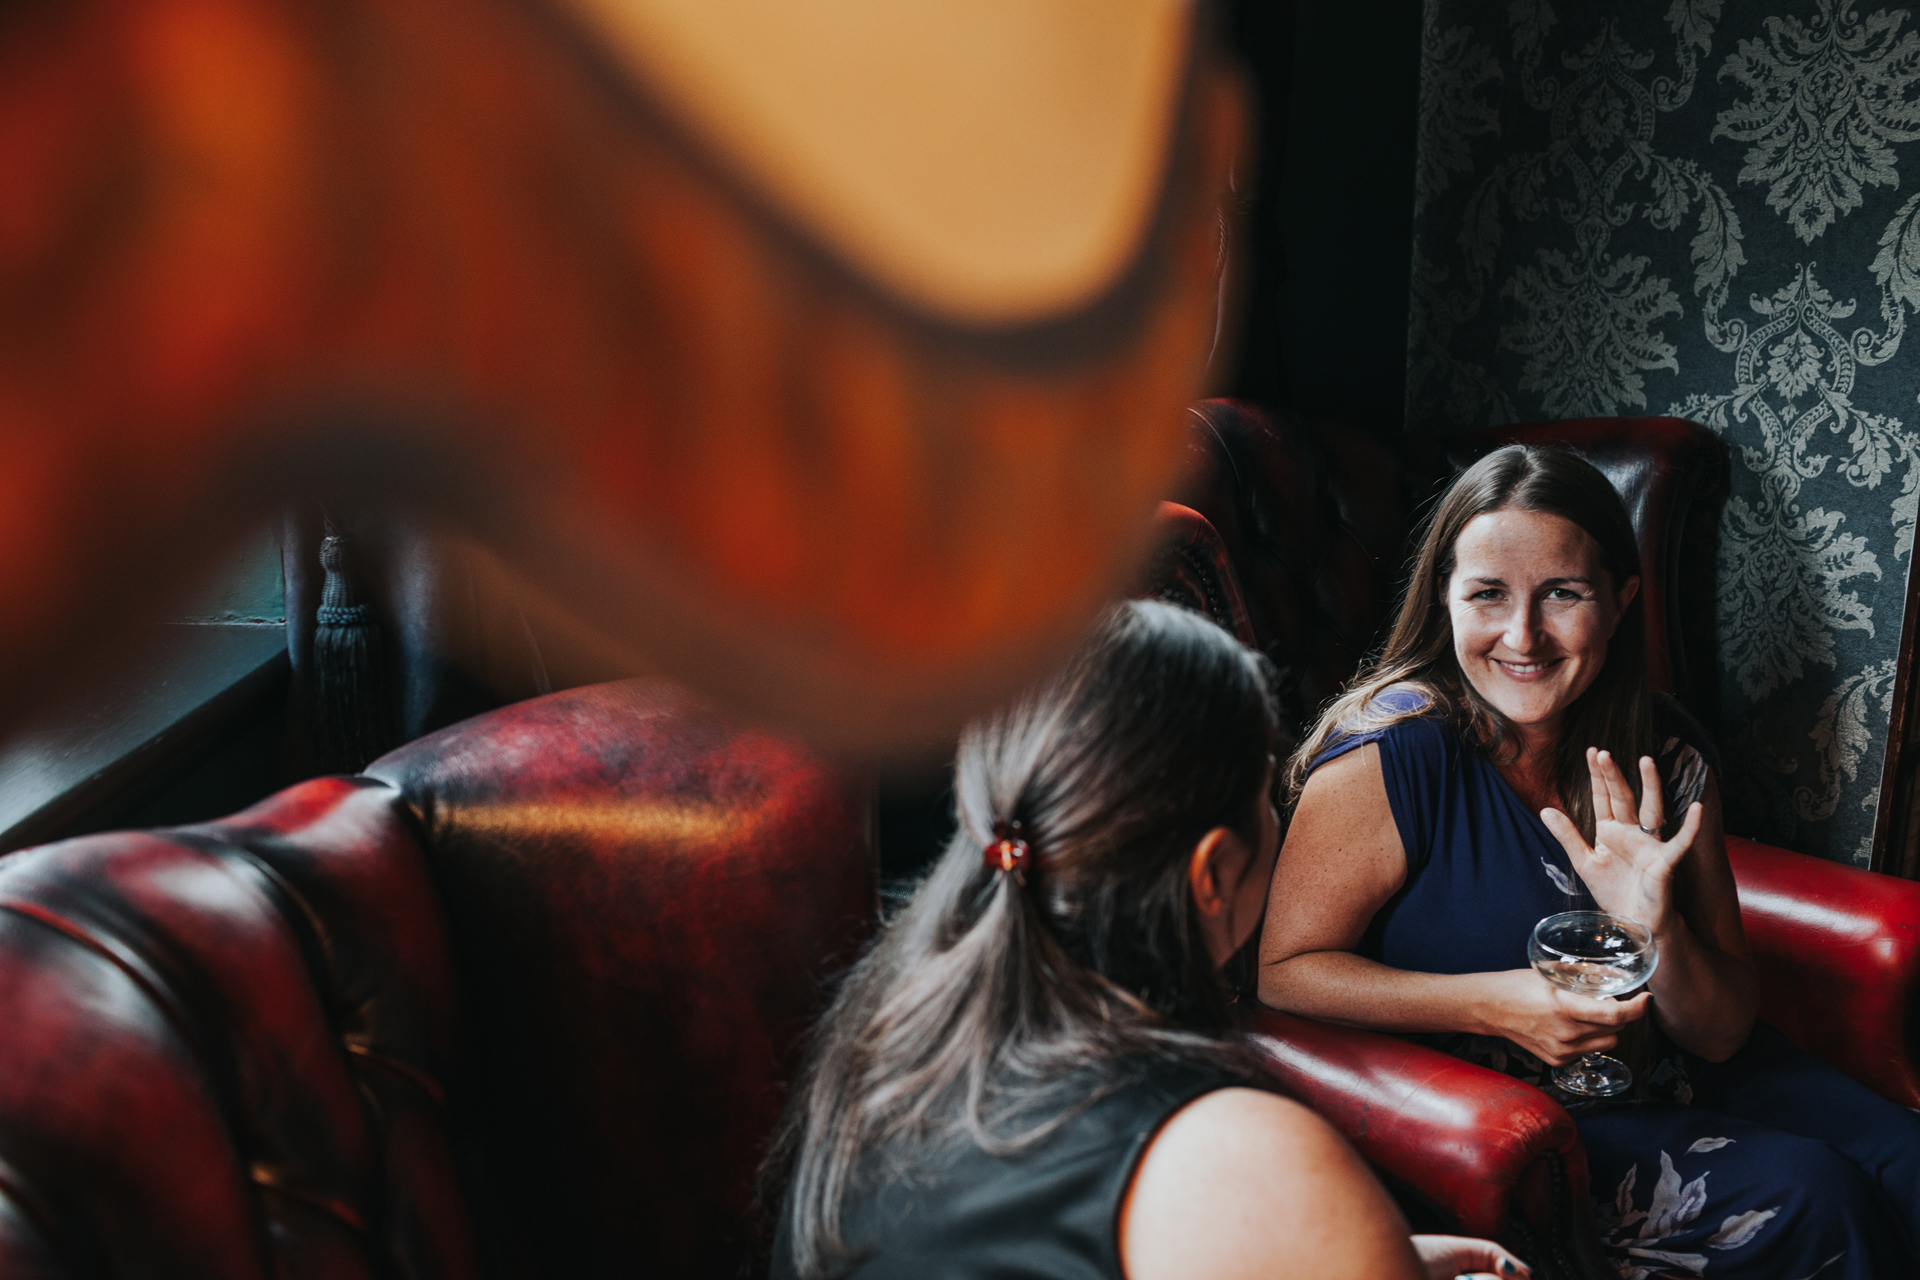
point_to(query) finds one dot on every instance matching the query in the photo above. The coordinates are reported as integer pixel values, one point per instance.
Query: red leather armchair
(1313, 524)
(516, 1004)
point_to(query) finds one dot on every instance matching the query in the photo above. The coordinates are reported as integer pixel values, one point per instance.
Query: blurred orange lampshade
(828, 356)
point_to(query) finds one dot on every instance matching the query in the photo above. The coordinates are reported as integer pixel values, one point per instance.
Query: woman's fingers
(1449, 1256)
(1653, 800)
(1591, 1026)
(1689, 828)
(1671, 851)
(1606, 1013)
(1602, 796)
(1566, 833)
(1574, 1050)
(1619, 794)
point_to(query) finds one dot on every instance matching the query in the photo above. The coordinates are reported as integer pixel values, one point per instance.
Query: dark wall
(1332, 224)
(1260, 32)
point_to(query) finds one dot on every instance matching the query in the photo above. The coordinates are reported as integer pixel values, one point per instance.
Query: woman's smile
(1532, 613)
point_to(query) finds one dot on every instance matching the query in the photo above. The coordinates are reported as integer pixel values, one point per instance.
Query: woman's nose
(1522, 626)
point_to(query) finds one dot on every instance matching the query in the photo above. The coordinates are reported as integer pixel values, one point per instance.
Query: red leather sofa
(515, 1004)
(1312, 527)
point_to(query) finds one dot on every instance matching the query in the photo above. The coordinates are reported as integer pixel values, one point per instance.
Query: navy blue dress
(1772, 1164)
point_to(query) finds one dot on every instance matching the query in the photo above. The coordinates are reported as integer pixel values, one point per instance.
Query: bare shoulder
(1346, 794)
(1708, 856)
(1357, 768)
(1250, 1120)
(1342, 832)
(1240, 1180)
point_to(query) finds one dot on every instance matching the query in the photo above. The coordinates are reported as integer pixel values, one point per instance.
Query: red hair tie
(1007, 851)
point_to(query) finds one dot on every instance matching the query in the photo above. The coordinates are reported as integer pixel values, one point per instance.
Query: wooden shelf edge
(198, 682)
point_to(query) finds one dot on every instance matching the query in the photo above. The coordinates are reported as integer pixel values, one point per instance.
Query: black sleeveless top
(1050, 1210)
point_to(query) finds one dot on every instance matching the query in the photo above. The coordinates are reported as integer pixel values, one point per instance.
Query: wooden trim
(1896, 822)
(196, 683)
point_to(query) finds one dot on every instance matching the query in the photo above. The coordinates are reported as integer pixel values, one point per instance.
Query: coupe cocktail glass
(1597, 955)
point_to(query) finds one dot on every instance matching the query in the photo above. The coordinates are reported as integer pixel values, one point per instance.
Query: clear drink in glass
(1594, 954)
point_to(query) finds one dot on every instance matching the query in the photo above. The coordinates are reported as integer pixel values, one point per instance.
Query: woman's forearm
(1553, 1024)
(1340, 987)
(1703, 998)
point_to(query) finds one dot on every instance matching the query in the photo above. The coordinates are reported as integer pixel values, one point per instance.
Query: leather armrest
(1837, 953)
(1472, 1142)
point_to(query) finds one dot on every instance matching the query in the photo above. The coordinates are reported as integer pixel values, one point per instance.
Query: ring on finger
(1649, 830)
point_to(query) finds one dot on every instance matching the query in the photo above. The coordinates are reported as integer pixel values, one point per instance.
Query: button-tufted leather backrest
(1319, 521)
(644, 902)
(234, 1050)
(1191, 568)
(226, 1050)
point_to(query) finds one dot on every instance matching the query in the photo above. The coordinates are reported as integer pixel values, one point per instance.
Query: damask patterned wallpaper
(1711, 211)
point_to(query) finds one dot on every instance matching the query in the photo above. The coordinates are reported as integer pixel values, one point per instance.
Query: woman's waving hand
(1703, 992)
(1628, 868)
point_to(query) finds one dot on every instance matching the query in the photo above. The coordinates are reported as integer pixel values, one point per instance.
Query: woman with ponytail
(1032, 1073)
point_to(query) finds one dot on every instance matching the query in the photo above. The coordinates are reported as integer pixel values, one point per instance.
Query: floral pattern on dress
(1632, 1236)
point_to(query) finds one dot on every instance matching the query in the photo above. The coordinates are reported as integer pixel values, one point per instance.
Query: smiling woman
(1515, 539)
(1470, 785)
(1532, 609)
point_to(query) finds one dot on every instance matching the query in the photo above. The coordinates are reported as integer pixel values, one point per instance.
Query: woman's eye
(1490, 593)
(1563, 593)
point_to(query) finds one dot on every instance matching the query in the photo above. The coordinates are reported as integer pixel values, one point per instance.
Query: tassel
(352, 721)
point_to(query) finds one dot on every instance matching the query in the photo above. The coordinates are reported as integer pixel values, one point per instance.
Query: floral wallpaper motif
(1712, 211)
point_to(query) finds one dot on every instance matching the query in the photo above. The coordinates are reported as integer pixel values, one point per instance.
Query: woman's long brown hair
(1616, 711)
(989, 1010)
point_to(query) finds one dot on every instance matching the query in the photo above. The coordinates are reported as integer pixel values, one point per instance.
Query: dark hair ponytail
(993, 989)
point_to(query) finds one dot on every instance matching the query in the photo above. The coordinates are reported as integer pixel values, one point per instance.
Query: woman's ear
(1628, 590)
(1214, 871)
(1204, 876)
